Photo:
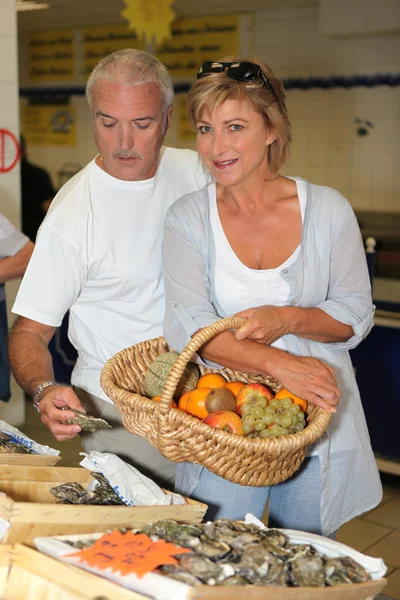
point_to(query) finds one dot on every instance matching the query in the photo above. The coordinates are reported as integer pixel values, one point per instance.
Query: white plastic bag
(134, 488)
(18, 436)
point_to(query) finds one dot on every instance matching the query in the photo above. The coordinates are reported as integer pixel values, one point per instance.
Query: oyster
(71, 493)
(74, 493)
(307, 568)
(213, 549)
(104, 492)
(258, 564)
(87, 422)
(7, 445)
(171, 531)
(201, 567)
(234, 580)
(274, 536)
(344, 570)
(180, 574)
(242, 540)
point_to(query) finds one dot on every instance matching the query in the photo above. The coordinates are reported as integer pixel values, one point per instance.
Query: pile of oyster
(227, 553)
(8, 446)
(74, 493)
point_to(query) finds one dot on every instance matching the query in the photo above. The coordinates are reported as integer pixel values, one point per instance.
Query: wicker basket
(181, 437)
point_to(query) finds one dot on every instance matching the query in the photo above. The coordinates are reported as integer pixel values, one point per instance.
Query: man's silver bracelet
(38, 393)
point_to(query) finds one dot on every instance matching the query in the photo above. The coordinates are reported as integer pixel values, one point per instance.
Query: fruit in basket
(196, 403)
(280, 417)
(220, 398)
(158, 398)
(253, 393)
(211, 380)
(158, 372)
(226, 420)
(182, 402)
(284, 393)
(235, 386)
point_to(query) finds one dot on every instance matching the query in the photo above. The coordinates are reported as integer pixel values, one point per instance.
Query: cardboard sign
(129, 553)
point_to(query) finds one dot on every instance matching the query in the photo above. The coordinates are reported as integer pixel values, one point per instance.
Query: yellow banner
(185, 132)
(49, 125)
(198, 40)
(51, 55)
(97, 42)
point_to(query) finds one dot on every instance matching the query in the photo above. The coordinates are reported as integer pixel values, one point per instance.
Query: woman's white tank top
(238, 287)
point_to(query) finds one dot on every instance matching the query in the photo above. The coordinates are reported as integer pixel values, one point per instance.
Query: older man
(98, 254)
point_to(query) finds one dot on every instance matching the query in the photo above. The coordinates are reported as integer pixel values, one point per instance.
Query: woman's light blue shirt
(330, 273)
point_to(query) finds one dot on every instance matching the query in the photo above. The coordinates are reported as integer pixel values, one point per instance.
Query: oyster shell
(74, 493)
(307, 568)
(7, 445)
(344, 570)
(274, 536)
(213, 549)
(234, 580)
(201, 567)
(171, 531)
(71, 493)
(180, 574)
(87, 422)
(257, 564)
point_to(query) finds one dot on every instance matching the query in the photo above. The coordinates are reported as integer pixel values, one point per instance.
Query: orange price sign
(129, 553)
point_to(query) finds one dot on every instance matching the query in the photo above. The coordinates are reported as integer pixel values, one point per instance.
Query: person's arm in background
(346, 316)
(51, 284)
(189, 308)
(12, 267)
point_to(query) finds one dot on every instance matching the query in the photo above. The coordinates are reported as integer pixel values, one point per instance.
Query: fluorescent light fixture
(23, 5)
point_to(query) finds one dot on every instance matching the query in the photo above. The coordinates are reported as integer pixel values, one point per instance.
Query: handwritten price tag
(129, 553)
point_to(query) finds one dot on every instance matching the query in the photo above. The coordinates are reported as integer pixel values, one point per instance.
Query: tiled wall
(9, 181)
(327, 148)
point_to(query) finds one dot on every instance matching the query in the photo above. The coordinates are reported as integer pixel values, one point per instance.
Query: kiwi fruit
(220, 399)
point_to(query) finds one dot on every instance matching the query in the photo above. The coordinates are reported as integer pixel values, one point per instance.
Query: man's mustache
(126, 154)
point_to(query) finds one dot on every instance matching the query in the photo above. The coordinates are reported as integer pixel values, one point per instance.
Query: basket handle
(195, 343)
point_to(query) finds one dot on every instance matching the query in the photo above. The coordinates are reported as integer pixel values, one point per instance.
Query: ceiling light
(23, 5)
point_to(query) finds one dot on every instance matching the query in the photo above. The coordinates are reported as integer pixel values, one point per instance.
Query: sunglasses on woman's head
(239, 71)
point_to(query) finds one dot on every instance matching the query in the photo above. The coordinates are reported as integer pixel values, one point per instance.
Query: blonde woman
(288, 255)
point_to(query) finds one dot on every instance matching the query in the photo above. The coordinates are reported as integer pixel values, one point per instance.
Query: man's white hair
(132, 67)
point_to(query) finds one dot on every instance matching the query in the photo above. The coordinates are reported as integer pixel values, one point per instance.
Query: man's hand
(308, 378)
(265, 324)
(51, 414)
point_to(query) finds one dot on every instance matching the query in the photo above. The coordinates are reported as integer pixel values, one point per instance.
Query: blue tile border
(291, 83)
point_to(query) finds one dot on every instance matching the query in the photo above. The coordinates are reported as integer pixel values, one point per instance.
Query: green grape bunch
(279, 417)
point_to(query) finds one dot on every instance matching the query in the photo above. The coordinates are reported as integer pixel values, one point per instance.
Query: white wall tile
(8, 53)
(9, 196)
(13, 412)
(9, 111)
(8, 18)
(388, 52)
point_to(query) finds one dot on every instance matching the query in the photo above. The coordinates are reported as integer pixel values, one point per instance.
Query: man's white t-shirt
(98, 254)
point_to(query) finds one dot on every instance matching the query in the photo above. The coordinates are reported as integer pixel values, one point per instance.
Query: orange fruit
(211, 380)
(234, 386)
(284, 393)
(182, 402)
(158, 398)
(196, 403)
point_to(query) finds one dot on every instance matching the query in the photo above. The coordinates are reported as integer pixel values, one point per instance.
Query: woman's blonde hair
(212, 90)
